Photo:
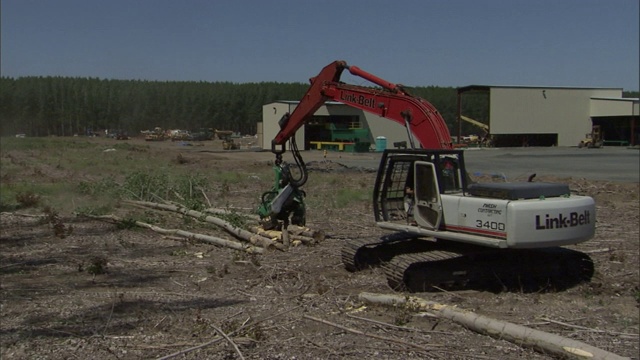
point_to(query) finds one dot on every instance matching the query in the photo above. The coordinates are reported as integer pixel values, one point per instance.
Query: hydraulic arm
(423, 122)
(391, 101)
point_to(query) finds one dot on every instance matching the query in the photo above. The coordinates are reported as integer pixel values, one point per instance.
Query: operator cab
(427, 174)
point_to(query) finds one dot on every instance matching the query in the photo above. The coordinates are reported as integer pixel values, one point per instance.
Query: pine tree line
(41, 106)
(63, 106)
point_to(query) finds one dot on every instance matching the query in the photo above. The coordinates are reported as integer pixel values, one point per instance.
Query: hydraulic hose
(302, 167)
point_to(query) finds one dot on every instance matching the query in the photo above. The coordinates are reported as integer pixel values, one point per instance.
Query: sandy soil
(103, 292)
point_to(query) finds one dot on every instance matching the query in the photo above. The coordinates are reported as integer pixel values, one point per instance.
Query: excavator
(445, 230)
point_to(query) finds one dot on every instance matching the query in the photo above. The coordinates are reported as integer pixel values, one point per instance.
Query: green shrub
(345, 197)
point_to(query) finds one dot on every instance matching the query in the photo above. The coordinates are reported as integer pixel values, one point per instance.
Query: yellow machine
(485, 140)
(228, 144)
(592, 139)
(227, 141)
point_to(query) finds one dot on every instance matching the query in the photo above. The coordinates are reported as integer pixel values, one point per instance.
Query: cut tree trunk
(230, 212)
(275, 234)
(316, 235)
(517, 334)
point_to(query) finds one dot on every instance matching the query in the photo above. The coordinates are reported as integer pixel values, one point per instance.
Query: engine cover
(532, 223)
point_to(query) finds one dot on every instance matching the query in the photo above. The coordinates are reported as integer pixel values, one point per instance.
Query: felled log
(319, 235)
(188, 235)
(276, 234)
(316, 235)
(305, 234)
(235, 231)
(539, 340)
(229, 212)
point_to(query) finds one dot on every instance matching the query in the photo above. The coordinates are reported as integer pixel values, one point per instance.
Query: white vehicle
(458, 232)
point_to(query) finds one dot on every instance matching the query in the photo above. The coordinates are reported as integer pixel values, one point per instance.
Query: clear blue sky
(415, 43)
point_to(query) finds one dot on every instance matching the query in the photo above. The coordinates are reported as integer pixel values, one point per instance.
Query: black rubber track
(423, 265)
(552, 269)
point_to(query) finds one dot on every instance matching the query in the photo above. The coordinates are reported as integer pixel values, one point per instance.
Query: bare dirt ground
(104, 292)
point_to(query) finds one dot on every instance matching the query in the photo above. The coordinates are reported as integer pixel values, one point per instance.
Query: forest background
(65, 106)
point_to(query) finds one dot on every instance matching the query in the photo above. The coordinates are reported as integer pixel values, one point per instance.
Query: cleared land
(73, 287)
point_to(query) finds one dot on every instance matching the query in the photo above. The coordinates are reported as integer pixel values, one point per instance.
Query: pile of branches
(252, 239)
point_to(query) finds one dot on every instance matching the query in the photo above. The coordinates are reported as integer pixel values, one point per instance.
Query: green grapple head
(284, 203)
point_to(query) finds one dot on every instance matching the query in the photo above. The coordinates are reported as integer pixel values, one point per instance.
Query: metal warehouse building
(335, 126)
(518, 115)
(547, 116)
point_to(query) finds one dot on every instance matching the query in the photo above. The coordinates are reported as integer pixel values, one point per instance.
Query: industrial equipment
(485, 140)
(227, 141)
(453, 228)
(593, 139)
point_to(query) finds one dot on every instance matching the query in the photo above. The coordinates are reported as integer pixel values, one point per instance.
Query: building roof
(616, 99)
(488, 87)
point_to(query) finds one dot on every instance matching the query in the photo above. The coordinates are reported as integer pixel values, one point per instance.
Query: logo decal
(573, 219)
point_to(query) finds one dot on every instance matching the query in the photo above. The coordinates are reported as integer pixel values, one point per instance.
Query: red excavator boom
(390, 101)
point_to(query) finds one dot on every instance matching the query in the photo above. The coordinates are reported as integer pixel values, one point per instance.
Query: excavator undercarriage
(426, 265)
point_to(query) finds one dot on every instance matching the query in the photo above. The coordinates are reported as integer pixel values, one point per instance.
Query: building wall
(259, 134)
(378, 126)
(513, 110)
(271, 114)
(562, 111)
(614, 107)
(391, 130)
